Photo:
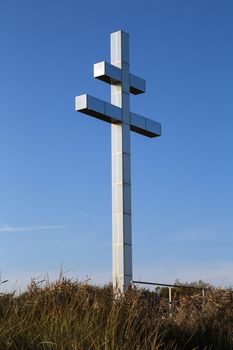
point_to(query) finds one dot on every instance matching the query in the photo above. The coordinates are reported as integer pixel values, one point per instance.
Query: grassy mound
(69, 315)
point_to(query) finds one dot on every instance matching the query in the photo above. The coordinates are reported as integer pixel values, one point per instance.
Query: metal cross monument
(123, 121)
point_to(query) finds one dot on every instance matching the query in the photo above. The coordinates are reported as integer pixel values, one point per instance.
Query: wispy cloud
(11, 229)
(96, 217)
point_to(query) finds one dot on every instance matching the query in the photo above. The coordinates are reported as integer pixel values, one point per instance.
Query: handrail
(168, 285)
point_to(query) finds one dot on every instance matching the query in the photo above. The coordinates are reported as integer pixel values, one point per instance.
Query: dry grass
(68, 315)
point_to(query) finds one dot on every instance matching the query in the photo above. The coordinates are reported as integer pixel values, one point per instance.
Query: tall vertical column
(121, 172)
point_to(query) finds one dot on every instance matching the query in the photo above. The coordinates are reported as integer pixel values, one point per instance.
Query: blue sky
(55, 178)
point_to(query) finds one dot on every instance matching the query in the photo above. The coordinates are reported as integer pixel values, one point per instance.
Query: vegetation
(69, 315)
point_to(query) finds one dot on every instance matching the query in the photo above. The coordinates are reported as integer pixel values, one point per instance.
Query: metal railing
(170, 287)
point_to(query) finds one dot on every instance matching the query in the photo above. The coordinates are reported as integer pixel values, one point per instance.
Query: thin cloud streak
(96, 217)
(12, 229)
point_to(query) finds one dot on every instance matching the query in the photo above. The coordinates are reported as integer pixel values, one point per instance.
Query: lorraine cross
(118, 113)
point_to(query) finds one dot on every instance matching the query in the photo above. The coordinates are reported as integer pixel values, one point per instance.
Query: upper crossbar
(112, 75)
